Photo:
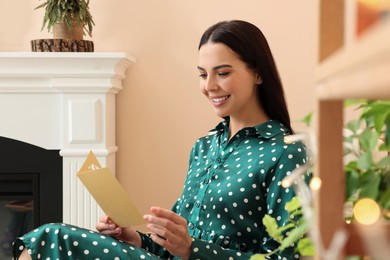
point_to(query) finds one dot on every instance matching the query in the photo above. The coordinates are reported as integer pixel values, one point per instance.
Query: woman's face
(227, 81)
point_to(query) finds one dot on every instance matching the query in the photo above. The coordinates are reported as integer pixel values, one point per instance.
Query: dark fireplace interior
(30, 190)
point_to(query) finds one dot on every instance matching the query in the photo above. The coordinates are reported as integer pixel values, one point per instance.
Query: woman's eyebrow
(217, 67)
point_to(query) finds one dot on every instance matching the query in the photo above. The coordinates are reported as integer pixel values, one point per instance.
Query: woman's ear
(259, 80)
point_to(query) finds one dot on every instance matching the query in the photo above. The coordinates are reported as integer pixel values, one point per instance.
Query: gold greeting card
(108, 193)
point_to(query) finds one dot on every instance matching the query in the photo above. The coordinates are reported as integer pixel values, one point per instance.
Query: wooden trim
(329, 168)
(331, 27)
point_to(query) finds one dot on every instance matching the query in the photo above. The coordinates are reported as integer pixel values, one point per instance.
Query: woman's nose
(211, 84)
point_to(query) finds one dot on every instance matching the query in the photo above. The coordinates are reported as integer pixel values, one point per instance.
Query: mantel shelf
(45, 72)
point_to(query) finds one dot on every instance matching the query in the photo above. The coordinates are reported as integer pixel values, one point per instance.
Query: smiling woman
(234, 175)
(230, 86)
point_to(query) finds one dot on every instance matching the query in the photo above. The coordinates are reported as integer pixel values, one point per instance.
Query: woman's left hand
(169, 230)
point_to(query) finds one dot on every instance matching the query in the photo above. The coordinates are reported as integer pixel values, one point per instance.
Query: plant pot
(61, 31)
(64, 40)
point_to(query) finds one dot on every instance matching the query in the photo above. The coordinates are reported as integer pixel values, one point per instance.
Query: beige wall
(160, 111)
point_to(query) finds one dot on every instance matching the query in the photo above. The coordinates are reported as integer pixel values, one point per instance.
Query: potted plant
(367, 169)
(366, 150)
(69, 20)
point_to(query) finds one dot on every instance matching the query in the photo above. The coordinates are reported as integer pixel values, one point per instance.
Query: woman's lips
(219, 101)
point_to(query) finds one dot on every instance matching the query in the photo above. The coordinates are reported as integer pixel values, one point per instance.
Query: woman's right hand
(107, 227)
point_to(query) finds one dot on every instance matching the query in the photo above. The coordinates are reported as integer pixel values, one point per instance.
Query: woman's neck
(236, 124)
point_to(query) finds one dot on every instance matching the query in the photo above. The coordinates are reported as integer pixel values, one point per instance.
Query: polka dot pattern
(62, 241)
(250, 168)
(230, 185)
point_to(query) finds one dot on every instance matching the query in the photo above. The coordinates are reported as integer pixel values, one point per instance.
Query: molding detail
(84, 121)
(45, 72)
(64, 101)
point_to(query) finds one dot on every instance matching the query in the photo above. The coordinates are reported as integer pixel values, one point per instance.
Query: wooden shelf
(359, 71)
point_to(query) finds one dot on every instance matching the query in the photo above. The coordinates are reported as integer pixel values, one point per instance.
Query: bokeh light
(366, 211)
(315, 183)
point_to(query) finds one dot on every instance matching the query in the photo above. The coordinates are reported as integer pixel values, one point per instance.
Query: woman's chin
(221, 113)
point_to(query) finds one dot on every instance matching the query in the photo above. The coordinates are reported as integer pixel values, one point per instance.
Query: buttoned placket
(222, 153)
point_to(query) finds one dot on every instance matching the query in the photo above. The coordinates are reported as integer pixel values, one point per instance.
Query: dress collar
(267, 130)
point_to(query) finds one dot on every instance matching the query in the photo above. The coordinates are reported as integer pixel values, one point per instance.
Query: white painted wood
(64, 101)
(84, 121)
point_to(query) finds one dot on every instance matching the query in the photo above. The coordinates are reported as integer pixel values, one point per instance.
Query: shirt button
(191, 225)
(206, 181)
(218, 160)
(197, 204)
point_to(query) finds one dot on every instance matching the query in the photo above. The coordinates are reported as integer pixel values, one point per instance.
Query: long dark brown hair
(249, 43)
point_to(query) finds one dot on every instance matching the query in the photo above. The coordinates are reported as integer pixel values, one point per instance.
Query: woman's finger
(168, 214)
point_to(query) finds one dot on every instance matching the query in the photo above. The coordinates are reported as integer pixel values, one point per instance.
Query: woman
(234, 176)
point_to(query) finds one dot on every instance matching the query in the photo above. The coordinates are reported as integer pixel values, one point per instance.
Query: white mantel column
(78, 90)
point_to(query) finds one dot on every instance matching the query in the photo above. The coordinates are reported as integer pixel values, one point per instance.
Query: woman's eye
(223, 74)
(202, 75)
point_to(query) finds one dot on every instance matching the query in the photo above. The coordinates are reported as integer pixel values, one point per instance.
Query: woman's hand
(107, 227)
(169, 230)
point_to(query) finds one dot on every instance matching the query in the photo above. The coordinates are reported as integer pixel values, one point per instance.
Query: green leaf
(377, 112)
(293, 204)
(353, 125)
(384, 147)
(384, 162)
(351, 166)
(353, 102)
(286, 227)
(353, 258)
(368, 139)
(272, 227)
(306, 247)
(307, 119)
(294, 235)
(364, 161)
(352, 183)
(296, 213)
(257, 257)
(370, 185)
(387, 131)
(384, 199)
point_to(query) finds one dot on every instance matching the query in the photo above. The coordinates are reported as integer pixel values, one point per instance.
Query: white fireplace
(64, 101)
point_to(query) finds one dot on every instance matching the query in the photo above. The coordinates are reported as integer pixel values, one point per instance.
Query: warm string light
(315, 183)
(304, 193)
(366, 211)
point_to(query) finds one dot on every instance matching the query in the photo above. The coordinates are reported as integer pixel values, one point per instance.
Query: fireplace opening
(30, 190)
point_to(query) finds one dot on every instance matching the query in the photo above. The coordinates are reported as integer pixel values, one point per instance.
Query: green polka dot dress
(229, 187)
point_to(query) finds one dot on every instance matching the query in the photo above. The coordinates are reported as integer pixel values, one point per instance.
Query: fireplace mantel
(64, 101)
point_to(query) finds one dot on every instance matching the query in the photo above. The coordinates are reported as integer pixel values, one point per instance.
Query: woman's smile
(220, 100)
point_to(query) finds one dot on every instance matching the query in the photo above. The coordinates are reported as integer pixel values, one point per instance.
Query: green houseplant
(69, 20)
(367, 169)
(296, 228)
(366, 150)
(69, 12)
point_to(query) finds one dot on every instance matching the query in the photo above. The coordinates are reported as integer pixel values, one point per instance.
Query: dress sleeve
(277, 196)
(147, 243)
